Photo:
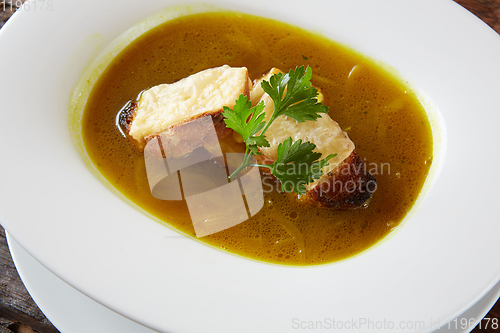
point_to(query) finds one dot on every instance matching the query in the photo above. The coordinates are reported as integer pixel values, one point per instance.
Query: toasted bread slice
(165, 106)
(345, 182)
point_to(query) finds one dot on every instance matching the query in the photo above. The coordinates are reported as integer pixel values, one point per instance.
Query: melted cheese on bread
(325, 133)
(203, 93)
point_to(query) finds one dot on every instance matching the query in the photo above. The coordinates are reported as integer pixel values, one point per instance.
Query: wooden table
(18, 312)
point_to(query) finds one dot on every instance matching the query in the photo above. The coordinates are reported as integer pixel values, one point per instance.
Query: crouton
(165, 106)
(345, 183)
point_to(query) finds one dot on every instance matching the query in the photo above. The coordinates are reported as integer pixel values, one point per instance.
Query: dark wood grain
(18, 312)
(486, 10)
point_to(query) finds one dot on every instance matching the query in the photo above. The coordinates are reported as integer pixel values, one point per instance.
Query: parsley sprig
(293, 95)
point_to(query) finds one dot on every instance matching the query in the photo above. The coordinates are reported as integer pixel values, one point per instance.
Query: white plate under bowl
(73, 312)
(423, 276)
(69, 310)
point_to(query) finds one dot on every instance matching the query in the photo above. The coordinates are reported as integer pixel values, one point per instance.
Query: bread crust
(188, 135)
(126, 115)
(351, 186)
(180, 140)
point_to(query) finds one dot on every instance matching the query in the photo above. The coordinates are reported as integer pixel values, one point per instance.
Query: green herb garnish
(294, 97)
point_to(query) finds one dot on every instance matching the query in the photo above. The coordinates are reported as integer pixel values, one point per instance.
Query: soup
(380, 114)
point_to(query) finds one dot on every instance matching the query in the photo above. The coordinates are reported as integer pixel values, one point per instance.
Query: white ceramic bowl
(423, 276)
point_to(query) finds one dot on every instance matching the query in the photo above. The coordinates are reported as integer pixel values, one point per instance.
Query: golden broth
(380, 114)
